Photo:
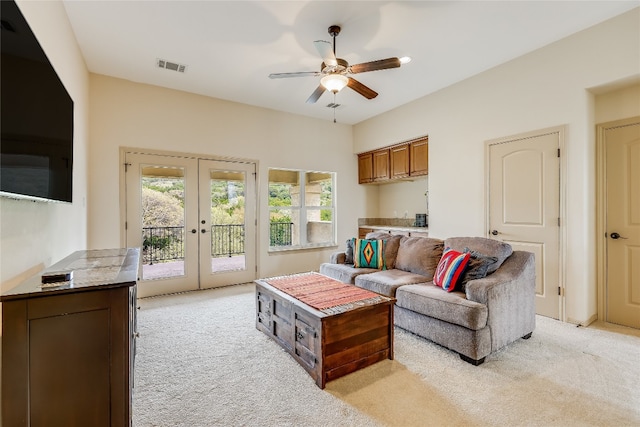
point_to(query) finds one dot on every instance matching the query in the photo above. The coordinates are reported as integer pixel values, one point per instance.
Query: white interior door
(161, 219)
(524, 207)
(227, 222)
(623, 224)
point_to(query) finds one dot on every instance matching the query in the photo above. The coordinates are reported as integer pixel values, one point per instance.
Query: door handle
(495, 232)
(616, 236)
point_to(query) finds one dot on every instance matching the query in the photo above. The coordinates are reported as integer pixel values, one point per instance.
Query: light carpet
(201, 362)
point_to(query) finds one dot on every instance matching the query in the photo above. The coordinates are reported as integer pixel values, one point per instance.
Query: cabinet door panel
(419, 157)
(69, 367)
(399, 161)
(381, 165)
(365, 168)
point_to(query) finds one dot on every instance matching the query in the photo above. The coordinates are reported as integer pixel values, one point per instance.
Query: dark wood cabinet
(68, 348)
(401, 161)
(327, 346)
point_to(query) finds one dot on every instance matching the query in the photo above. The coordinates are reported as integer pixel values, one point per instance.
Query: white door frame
(148, 151)
(561, 131)
(601, 210)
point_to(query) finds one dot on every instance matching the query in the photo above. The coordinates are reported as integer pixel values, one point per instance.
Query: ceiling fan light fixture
(334, 82)
(405, 60)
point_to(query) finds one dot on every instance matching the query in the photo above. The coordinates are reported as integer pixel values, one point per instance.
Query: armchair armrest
(509, 294)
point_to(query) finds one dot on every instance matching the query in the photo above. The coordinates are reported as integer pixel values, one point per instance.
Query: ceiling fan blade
(298, 74)
(381, 64)
(362, 89)
(326, 52)
(316, 95)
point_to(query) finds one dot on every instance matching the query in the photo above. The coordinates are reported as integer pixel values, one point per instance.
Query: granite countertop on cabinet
(394, 227)
(92, 269)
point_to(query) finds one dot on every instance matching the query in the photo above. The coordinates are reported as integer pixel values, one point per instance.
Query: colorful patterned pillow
(368, 253)
(450, 269)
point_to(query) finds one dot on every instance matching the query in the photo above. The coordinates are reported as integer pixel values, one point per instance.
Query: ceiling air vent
(168, 65)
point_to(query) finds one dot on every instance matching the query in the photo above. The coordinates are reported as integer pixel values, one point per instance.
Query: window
(301, 209)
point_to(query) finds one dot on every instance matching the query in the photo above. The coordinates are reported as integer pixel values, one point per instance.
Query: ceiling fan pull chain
(334, 110)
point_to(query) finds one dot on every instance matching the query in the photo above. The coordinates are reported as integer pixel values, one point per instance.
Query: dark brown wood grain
(327, 346)
(67, 354)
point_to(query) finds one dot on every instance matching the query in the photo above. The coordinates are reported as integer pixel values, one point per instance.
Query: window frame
(302, 208)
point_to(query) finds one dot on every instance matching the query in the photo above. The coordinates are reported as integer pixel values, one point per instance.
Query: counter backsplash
(395, 222)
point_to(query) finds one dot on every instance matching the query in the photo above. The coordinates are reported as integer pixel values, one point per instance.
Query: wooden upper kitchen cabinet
(399, 156)
(400, 161)
(365, 168)
(381, 170)
(419, 157)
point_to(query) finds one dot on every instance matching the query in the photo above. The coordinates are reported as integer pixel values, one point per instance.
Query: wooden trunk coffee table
(330, 328)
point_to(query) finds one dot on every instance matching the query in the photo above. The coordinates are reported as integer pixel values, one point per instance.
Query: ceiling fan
(334, 70)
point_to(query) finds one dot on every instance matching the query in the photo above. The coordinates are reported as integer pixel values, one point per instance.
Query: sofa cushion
(367, 253)
(487, 247)
(452, 307)
(343, 272)
(450, 269)
(386, 282)
(419, 255)
(391, 244)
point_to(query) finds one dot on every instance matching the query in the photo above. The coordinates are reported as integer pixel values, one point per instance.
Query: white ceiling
(230, 47)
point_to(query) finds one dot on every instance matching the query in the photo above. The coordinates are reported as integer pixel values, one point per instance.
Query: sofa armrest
(509, 295)
(338, 258)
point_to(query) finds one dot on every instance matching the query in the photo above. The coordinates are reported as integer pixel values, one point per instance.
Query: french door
(194, 219)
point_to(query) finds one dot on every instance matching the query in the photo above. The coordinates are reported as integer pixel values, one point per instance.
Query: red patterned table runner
(322, 292)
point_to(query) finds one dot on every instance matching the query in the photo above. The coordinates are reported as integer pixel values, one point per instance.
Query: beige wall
(398, 198)
(130, 114)
(545, 88)
(618, 104)
(37, 234)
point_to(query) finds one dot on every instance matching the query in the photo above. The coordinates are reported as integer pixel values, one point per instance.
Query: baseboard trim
(587, 322)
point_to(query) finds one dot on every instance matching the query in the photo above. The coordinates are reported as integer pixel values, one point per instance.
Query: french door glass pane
(227, 190)
(163, 232)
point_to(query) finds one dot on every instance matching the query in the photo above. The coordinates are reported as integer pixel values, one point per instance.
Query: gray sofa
(494, 305)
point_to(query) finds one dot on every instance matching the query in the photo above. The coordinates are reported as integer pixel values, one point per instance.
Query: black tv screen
(36, 150)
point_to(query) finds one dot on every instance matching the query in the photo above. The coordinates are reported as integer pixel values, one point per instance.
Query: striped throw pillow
(450, 269)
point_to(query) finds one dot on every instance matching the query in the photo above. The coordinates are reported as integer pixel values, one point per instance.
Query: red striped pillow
(450, 269)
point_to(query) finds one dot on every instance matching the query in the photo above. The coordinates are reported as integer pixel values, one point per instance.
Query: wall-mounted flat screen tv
(36, 149)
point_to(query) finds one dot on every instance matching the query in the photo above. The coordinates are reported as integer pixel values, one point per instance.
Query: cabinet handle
(299, 335)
